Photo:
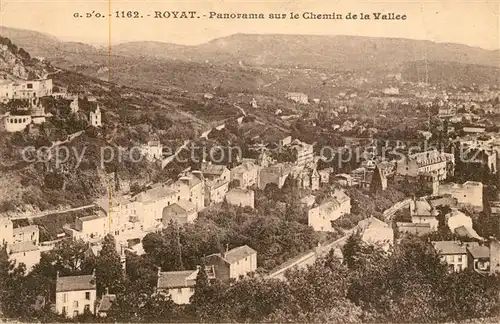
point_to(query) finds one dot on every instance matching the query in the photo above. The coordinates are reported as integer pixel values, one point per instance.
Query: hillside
(342, 52)
(306, 51)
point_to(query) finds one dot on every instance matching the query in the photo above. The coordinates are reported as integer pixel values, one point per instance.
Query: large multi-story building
(433, 162)
(24, 89)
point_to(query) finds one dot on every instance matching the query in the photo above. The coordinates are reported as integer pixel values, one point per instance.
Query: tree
(68, 257)
(109, 272)
(198, 300)
(352, 250)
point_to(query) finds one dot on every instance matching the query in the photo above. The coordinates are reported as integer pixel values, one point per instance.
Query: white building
(470, 193)
(95, 117)
(430, 162)
(320, 218)
(75, 295)
(24, 89)
(233, 264)
(180, 285)
(24, 252)
(90, 228)
(298, 97)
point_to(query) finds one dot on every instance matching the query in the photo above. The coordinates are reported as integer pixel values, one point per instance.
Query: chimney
(57, 274)
(227, 250)
(159, 271)
(93, 273)
(107, 291)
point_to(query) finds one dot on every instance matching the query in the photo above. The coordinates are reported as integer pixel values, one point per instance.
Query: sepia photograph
(250, 161)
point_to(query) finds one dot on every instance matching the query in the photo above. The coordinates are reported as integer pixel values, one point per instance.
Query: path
(52, 212)
(308, 257)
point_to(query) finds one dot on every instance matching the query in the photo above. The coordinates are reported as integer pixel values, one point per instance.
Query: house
(298, 97)
(90, 228)
(422, 212)
(24, 252)
(215, 191)
(417, 229)
(182, 212)
(320, 218)
(195, 184)
(180, 285)
(376, 232)
(430, 162)
(105, 304)
(29, 233)
(75, 295)
(233, 264)
(241, 197)
(215, 172)
(478, 258)
(469, 193)
(150, 203)
(454, 253)
(247, 174)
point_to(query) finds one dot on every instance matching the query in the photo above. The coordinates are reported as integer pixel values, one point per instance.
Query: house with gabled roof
(233, 264)
(454, 253)
(75, 295)
(182, 212)
(180, 285)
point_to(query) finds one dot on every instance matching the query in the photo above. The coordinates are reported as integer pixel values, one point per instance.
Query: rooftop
(25, 229)
(175, 279)
(75, 283)
(236, 254)
(212, 169)
(155, 193)
(453, 247)
(479, 252)
(106, 302)
(23, 247)
(91, 217)
(184, 204)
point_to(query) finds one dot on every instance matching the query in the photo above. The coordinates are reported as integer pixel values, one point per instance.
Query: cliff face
(11, 64)
(17, 63)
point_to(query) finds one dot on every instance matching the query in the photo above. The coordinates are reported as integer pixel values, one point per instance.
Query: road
(52, 212)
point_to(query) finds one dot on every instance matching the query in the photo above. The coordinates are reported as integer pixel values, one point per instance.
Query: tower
(95, 117)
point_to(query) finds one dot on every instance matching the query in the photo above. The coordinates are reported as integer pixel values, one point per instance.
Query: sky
(473, 22)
